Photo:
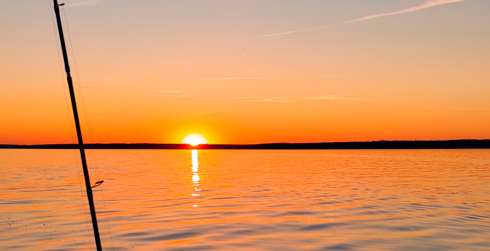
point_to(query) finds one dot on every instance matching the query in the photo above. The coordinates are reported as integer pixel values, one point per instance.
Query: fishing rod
(77, 125)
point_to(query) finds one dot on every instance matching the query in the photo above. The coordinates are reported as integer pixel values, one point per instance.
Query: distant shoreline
(383, 144)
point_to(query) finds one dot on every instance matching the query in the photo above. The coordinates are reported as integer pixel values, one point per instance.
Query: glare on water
(248, 200)
(195, 175)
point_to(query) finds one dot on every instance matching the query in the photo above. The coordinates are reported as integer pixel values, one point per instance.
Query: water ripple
(250, 200)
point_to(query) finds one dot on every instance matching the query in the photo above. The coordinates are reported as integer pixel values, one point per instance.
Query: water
(248, 200)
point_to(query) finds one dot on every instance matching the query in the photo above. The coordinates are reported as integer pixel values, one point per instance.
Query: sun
(194, 139)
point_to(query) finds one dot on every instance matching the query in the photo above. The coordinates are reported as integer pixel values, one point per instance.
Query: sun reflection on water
(195, 174)
(195, 161)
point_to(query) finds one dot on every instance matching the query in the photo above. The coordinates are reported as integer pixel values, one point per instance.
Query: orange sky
(247, 71)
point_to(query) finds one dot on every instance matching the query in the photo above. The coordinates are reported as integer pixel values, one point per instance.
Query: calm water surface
(248, 200)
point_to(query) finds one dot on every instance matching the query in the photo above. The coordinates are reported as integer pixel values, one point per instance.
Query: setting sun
(194, 139)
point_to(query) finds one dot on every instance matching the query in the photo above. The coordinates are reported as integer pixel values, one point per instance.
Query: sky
(250, 71)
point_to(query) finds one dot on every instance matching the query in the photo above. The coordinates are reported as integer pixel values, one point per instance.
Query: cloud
(75, 3)
(329, 97)
(285, 99)
(427, 4)
(78, 80)
(170, 91)
(246, 97)
(296, 31)
(220, 79)
(271, 100)
(264, 99)
(252, 78)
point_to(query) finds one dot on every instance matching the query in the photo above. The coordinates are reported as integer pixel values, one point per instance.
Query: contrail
(425, 5)
(297, 31)
(420, 7)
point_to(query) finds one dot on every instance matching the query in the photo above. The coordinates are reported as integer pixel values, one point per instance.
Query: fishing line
(86, 122)
(88, 239)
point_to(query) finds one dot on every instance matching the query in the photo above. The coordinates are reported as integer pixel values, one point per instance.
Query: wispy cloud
(246, 97)
(172, 91)
(271, 100)
(329, 97)
(224, 79)
(264, 99)
(262, 78)
(175, 96)
(297, 31)
(427, 4)
(75, 3)
(291, 99)
(78, 80)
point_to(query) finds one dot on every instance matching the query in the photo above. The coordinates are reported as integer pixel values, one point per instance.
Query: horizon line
(355, 145)
(250, 144)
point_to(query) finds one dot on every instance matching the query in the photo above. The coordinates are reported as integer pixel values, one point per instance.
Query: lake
(247, 200)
